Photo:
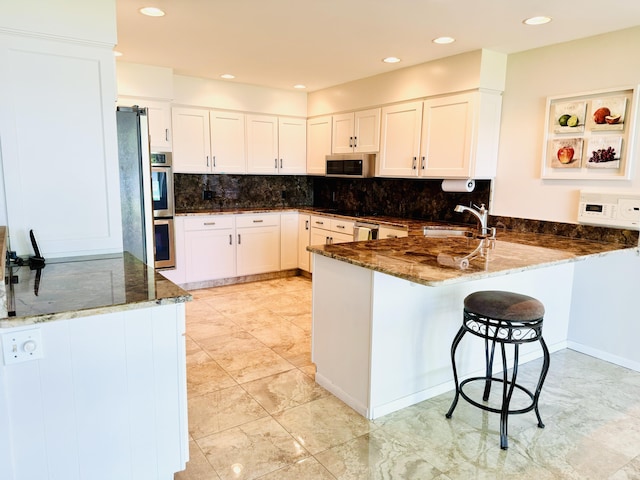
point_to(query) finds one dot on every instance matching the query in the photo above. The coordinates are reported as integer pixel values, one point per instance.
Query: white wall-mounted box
(612, 209)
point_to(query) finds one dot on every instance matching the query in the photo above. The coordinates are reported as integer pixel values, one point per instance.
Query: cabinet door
(338, 237)
(209, 254)
(319, 236)
(392, 232)
(366, 131)
(292, 146)
(288, 241)
(318, 144)
(262, 144)
(400, 142)
(304, 239)
(159, 125)
(227, 142)
(258, 239)
(447, 133)
(342, 135)
(191, 141)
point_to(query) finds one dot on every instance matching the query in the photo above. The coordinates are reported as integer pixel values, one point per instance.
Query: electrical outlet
(207, 195)
(283, 194)
(22, 346)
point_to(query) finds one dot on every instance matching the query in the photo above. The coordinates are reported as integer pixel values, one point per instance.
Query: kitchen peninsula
(385, 312)
(104, 394)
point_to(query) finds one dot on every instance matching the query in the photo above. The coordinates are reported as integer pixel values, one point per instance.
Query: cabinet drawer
(208, 222)
(342, 226)
(320, 222)
(261, 220)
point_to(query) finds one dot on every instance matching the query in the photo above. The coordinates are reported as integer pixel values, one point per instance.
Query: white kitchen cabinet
(460, 135)
(400, 140)
(209, 247)
(448, 137)
(191, 140)
(258, 243)
(357, 132)
(288, 240)
(318, 144)
(387, 231)
(304, 240)
(276, 145)
(159, 119)
(208, 141)
(328, 230)
(227, 132)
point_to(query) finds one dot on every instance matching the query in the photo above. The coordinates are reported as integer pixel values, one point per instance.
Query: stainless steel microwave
(360, 165)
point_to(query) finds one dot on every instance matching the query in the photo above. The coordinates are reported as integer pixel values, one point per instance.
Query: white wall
(595, 63)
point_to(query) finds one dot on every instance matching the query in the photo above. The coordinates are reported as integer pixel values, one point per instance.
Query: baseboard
(606, 356)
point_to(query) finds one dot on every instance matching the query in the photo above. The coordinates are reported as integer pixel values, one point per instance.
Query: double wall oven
(162, 195)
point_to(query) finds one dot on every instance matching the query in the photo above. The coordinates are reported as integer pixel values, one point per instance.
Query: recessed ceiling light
(443, 40)
(300, 86)
(536, 20)
(117, 53)
(152, 12)
(391, 60)
(228, 76)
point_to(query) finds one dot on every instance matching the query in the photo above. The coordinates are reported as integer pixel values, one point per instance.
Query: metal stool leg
(454, 345)
(507, 393)
(543, 376)
(488, 360)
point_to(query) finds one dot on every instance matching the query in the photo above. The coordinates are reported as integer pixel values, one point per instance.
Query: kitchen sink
(448, 231)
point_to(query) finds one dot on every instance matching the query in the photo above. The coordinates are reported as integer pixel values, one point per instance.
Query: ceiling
(321, 43)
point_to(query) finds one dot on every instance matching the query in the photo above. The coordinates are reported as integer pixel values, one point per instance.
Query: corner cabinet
(357, 132)
(208, 141)
(447, 137)
(276, 145)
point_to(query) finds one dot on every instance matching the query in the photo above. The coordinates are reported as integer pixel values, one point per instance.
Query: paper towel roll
(458, 185)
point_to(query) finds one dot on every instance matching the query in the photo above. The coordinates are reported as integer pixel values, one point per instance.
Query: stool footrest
(491, 409)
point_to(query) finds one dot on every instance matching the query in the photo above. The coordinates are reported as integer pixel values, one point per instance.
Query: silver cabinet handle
(355, 141)
(275, 163)
(340, 226)
(415, 160)
(330, 240)
(351, 142)
(306, 224)
(423, 162)
(391, 236)
(207, 160)
(214, 161)
(166, 134)
(258, 221)
(209, 223)
(280, 163)
(230, 239)
(239, 242)
(319, 223)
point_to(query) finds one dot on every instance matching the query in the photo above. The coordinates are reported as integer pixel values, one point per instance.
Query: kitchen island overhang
(383, 321)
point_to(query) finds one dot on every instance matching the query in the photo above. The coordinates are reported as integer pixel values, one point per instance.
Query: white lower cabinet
(304, 240)
(288, 240)
(209, 247)
(258, 243)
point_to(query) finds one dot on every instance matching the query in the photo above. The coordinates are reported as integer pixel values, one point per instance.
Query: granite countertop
(437, 261)
(80, 287)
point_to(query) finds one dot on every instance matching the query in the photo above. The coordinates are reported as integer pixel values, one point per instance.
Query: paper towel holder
(458, 185)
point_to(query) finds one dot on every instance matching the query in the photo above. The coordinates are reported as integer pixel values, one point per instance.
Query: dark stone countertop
(80, 287)
(436, 261)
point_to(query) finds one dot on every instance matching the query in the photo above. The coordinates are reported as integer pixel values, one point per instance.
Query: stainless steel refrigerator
(135, 183)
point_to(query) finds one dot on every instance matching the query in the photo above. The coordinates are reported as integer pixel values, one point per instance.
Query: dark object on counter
(36, 262)
(504, 318)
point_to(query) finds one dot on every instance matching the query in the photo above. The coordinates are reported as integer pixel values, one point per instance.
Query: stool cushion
(504, 305)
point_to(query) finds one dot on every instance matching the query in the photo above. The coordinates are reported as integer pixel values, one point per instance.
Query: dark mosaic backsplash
(406, 198)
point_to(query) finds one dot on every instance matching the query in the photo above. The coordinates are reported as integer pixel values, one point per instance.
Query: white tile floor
(255, 411)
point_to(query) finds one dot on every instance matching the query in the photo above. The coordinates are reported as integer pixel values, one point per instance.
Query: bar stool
(504, 318)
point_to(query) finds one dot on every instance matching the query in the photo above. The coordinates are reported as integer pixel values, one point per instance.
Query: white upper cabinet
(191, 140)
(357, 132)
(159, 125)
(227, 142)
(276, 145)
(400, 140)
(207, 141)
(448, 137)
(318, 144)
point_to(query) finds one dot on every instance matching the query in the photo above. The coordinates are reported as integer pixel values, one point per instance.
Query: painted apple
(565, 155)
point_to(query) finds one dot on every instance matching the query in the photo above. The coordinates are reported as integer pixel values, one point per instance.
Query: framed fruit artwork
(590, 135)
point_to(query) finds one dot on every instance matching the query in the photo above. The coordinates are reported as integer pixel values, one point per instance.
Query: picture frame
(590, 135)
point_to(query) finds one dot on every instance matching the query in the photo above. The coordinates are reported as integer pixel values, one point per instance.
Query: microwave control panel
(621, 210)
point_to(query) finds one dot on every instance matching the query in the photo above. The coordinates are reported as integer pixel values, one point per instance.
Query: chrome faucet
(482, 214)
